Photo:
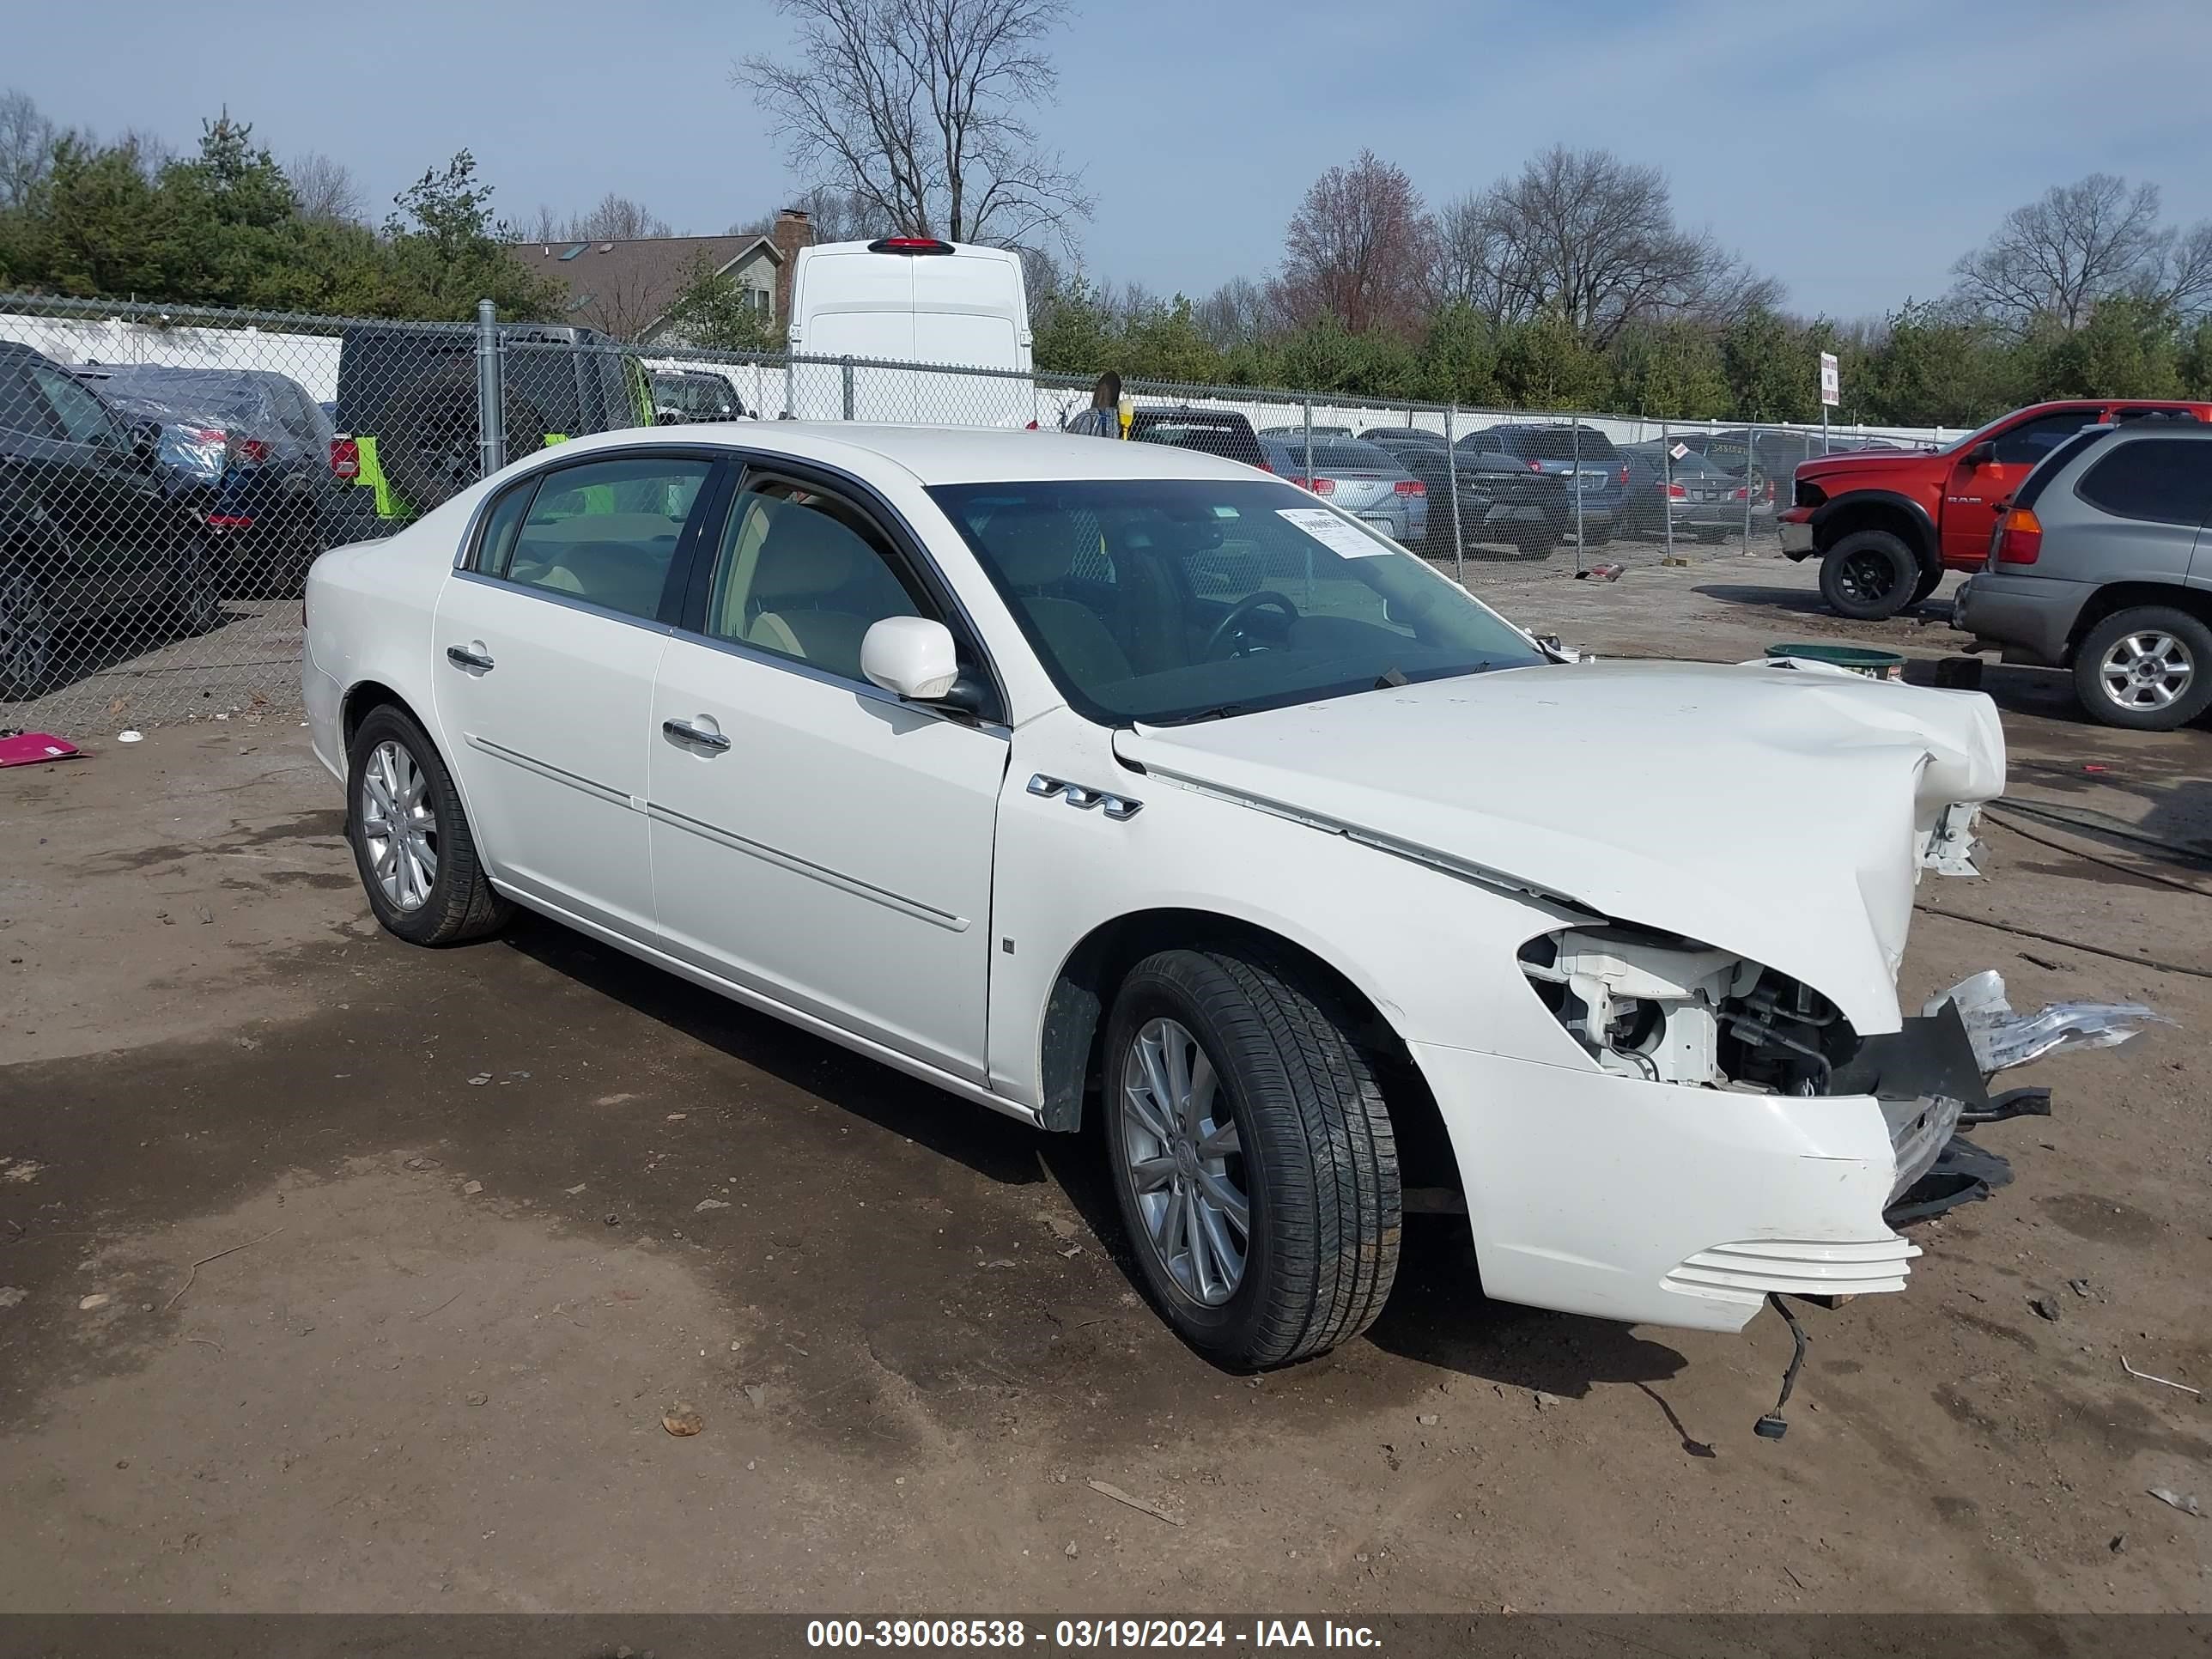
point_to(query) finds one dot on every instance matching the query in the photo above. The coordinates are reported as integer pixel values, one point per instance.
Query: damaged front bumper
(1613, 1196)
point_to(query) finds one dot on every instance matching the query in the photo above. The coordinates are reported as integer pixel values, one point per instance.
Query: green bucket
(1858, 658)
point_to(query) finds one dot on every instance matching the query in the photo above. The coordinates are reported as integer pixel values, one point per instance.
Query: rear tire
(427, 448)
(1868, 575)
(195, 590)
(403, 812)
(2146, 669)
(29, 648)
(1294, 1128)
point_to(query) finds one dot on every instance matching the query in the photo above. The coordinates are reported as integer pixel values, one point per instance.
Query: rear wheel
(2149, 669)
(427, 448)
(1868, 575)
(195, 589)
(411, 842)
(1253, 1158)
(29, 648)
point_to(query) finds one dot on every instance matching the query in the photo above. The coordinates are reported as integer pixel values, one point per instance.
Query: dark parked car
(249, 452)
(682, 396)
(1297, 435)
(1706, 501)
(2098, 564)
(1217, 431)
(91, 538)
(1594, 474)
(1500, 500)
(1363, 479)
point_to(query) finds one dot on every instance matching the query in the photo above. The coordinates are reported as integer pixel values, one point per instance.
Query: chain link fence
(168, 474)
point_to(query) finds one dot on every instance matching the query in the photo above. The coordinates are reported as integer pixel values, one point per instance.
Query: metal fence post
(848, 387)
(491, 420)
(1451, 483)
(1574, 482)
(1750, 461)
(1307, 405)
(1667, 490)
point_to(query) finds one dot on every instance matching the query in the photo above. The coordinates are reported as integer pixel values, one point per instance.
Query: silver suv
(2102, 562)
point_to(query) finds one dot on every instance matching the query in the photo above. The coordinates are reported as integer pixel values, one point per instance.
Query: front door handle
(697, 736)
(461, 657)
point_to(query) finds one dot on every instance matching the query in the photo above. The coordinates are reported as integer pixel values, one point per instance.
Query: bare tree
(547, 227)
(1238, 313)
(920, 109)
(837, 216)
(617, 219)
(2072, 246)
(1593, 238)
(27, 147)
(1357, 249)
(2188, 280)
(325, 189)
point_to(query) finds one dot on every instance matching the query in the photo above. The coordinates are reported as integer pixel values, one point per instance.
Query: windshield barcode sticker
(1333, 533)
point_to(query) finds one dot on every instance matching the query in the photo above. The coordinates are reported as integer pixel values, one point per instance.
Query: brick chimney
(791, 232)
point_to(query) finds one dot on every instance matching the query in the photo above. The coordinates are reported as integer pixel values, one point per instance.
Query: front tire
(2146, 669)
(1251, 1154)
(411, 839)
(1868, 575)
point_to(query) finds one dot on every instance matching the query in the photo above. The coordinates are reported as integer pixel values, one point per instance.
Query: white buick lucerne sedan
(1097, 781)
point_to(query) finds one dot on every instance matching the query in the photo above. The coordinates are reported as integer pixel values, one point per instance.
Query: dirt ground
(340, 1275)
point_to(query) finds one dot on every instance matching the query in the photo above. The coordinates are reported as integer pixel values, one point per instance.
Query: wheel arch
(1073, 1032)
(1876, 509)
(361, 699)
(2115, 597)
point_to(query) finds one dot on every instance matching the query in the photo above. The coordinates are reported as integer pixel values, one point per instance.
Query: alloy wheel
(1186, 1163)
(399, 826)
(2146, 670)
(1865, 578)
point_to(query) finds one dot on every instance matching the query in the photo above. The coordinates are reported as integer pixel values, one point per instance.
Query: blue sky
(1853, 150)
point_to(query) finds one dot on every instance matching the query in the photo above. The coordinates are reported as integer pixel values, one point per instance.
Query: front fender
(1435, 955)
(1852, 501)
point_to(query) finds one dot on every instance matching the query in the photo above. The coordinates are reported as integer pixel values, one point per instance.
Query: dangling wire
(1771, 1426)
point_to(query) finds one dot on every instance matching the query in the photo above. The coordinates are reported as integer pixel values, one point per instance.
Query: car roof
(943, 454)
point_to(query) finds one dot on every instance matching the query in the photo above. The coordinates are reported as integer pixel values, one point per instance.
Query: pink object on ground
(33, 747)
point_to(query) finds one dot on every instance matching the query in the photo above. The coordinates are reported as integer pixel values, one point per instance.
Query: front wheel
(1253, 1157)
(411, 839)
(2149, 669)
(1868, 575)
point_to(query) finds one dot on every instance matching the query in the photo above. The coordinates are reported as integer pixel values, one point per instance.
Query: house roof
(627, 287)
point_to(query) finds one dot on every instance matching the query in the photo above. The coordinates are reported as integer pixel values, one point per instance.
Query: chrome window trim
(807, 671)
(466, 552)
(569, 601)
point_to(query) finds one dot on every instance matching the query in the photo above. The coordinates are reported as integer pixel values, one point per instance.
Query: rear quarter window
(2165, 480)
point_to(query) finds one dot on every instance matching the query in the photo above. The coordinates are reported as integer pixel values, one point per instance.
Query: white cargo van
(910, 300)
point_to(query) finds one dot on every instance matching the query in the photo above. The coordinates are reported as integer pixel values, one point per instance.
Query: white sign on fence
(1832, 381)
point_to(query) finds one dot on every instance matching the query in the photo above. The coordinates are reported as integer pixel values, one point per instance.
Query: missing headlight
(1670, 1010)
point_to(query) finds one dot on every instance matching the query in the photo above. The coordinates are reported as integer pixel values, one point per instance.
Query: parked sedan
(1363, 479)
(1592, 473)
(1706, 502)
(1500, 500)
(249, 452)
(92, 543)
(1115, 778)
(2098, 565)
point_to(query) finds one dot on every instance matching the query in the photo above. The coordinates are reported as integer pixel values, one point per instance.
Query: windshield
(1162, 600)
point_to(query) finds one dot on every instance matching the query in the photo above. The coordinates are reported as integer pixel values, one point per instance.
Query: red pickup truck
(1887, 524)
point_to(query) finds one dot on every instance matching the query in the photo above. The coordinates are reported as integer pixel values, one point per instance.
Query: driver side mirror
(913, 657)
(1981, 454)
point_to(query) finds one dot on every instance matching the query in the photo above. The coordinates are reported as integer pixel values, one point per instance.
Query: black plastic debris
(1962, 1173)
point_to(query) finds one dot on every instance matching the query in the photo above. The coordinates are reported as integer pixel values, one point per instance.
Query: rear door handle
(697, 736)
(461, 657)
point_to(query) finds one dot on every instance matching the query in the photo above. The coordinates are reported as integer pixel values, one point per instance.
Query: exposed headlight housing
(1665, 1009)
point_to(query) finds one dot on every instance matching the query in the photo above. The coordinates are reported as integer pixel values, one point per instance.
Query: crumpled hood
(1766, 811)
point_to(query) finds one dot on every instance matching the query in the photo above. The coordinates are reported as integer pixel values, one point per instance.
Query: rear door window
(2167, 480)
(605, 532)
